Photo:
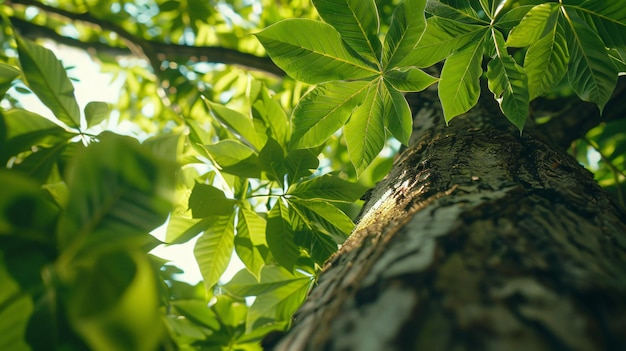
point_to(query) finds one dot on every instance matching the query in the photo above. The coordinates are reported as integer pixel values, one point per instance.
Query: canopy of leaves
(229, 130)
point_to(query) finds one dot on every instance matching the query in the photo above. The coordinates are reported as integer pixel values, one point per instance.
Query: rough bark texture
(479, 239)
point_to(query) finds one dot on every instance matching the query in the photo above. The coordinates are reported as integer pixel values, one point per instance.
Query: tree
(485, 234)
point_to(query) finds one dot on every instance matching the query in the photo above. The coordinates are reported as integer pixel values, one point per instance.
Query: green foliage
(246, 164)
(358, 72)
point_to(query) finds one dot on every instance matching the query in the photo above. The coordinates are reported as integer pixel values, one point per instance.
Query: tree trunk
(478, 239)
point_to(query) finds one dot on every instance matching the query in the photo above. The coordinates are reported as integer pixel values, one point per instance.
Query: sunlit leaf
(409, 79)
(459, 85)
(47, 78)
(238, 123)
(214, 248)
(250, 235)
(325, 216)
(96, 112)
(406, 29)
(327, 187)
(509, 84)
(399, 120)
(607, 18)
(279, 236)
(324, 110)
(312, 52)
(356, 21)
(365, 131)
(532, 26)
(442, 37)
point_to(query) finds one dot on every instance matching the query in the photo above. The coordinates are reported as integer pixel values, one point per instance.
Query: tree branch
(150, 50)
(578, 117)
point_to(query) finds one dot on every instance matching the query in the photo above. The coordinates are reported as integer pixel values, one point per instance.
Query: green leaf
(127, 315)
(231, 156)
(356, 21)
(442, 37)
(365, 131)
(14, 316)
(214, 248)
(198, 312)
(407, 26)
(250, 234)
(96, 112)
(591, 72)
(243, 284)
(206, 200)
(319, 244)
(300, 163)
(23, 210)
(273, 116)
(118, 191)
(40, 164)
(324, 110)
(533, 25)
(325, 216)
(27, 129)
(312, 52)
(399, 120)
(409, 79)
(509, 84)
(272, 161)
(8, 73)
(459, 85)
(511, 18)
(239, 124)
(327, 187)
(279, 236)
(607, 18)
(281, 303)
(546, 62)
(47, 79)
(457, 10)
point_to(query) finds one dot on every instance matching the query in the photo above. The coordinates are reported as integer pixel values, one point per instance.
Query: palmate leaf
(591, 73)
(356, 21)
(365, 130)
(48, 80)
(509, 84)
(312, 52)
(324, 110)
(214, 248)
(406, 29)
(459, 85)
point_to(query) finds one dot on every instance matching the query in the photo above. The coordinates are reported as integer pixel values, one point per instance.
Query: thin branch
(150, 50)
(575, 117)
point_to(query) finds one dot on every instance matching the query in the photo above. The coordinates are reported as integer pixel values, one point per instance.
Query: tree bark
(479, 239)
